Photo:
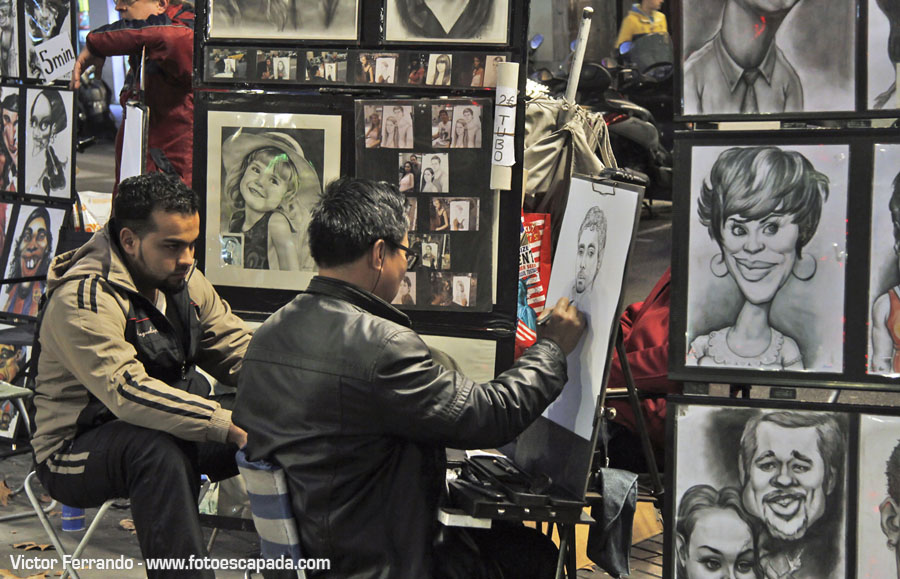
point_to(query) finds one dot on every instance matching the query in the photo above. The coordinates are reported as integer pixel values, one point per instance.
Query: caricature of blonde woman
(273, 186)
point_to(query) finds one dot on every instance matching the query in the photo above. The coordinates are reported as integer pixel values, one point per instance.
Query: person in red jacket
(165, 28)
(645, 332)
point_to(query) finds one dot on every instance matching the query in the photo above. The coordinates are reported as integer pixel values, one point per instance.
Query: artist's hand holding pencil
(564, 324)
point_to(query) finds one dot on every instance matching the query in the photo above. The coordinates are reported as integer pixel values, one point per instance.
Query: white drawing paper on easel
(589, 269)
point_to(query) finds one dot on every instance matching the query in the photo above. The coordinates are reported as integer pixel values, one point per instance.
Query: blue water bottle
(72, 518)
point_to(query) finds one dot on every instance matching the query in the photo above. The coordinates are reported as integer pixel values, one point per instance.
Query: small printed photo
(410, 170)
(440, 66)
(463, 213)
(411, 206)
(441, 125)
(466, 127)
(439, 214)
(434, 249)
(326, 66)
(366, 68)
(464, 290)
(233, 250)
(372, 126)
(415, 70)
(9, 419)
(227, 63)
(385, 69)
(440, 290)
(490, 69)
(407, 294)
(436, 167)
(397, 127)
(276, 65)
(471, 68)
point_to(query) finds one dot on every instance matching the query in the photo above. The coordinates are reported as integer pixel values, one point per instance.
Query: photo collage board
(796, 59)
(342, 59)
(764, 291)
(434, 150)
(761, 487)
(37, 40)
(433, 71)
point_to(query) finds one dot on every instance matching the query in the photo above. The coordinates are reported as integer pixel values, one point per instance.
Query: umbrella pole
(580, 44)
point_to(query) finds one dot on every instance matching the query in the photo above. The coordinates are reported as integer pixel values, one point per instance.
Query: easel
(634, 400)
(566, 563)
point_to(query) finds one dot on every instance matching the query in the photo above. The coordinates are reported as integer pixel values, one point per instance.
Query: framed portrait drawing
(762, 271)
(14, 354)
(882, 56)
(10, 153)
(32, 244)
(264, 174)
(49, 32)
(472, 22)
(9, 39)
(760, 487)
(49, 154)
(884, 251)
(878, 509)
(329, 20)
(794, 58)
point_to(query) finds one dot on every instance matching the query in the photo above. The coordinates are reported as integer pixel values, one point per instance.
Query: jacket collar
(359, 297)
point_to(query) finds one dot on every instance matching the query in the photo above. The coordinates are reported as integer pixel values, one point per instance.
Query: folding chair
(18, 395)
(42, 511)
(270, 503)
(51, 532)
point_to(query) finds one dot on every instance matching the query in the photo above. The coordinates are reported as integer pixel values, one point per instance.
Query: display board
(435, 151)
(794, 60)
(762, 486)
(763, 290)
(434, 71)
(334, 61)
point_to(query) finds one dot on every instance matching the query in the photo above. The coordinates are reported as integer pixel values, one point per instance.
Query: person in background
(165, 30)
(643, 18)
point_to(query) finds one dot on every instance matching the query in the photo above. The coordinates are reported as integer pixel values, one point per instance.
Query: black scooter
(95, 120)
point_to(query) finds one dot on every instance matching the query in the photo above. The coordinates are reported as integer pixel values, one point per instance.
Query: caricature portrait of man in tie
(741, 69)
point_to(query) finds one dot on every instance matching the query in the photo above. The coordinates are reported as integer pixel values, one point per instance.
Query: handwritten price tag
(504, 153)
(56, 57)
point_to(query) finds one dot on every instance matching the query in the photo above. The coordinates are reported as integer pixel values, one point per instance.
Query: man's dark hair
(350, 216)
(10, 103)
(140, 196)
(830, 440)
(57, 110)
(16, 269)
(892, 472)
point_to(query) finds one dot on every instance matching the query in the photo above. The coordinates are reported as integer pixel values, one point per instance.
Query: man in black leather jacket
(348, 400)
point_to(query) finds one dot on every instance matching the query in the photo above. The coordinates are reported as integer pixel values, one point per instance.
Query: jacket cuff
(553, 348)
(219, 423)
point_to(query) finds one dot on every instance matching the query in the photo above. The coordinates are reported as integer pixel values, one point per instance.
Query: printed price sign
(56, 57)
